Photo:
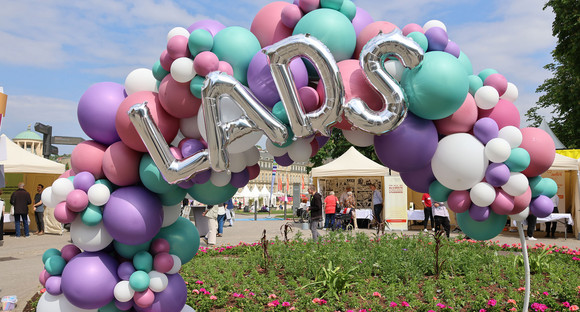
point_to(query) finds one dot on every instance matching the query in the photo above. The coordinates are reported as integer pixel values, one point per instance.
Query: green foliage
(333, 280)
(539, 261)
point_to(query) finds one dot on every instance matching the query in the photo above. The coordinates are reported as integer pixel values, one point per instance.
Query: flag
(302, 182)
(280, 183)
(287, 185)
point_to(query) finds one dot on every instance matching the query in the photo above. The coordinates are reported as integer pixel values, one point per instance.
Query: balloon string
(526, 266)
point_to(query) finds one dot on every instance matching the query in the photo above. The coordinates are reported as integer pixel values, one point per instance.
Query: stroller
(343, 220)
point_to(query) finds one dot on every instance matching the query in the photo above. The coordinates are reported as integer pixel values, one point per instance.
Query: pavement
(21, 258)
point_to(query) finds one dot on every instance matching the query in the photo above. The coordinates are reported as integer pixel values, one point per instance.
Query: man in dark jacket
(20, 200)
(315, 210)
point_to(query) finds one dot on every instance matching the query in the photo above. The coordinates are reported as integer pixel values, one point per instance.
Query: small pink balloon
(176, 152)
(69, 251)
(498, 82)
(176, 98)
(310, 98)
(205, 62)
(121, 164)
(163, 262)
(159, 245)
(66, 174)
(461, 121)
(77, 200)
(503, 203)
(522, 202)
(144, 299)
(309, 5)
(177, 47)
(43, 277)
(267, 25)
(459, 201)
(539, 144)
(290, 15)
(369, 32)
(62, 214)
(165, 60)
(225, 67)
(505, 113)
(409, 28)
(88, 156)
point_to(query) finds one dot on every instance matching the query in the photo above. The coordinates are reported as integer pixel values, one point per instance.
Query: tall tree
(562, 91)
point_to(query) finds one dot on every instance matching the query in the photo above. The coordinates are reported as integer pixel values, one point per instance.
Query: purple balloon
(210, 25)
(420, 179)
(53, 285)
(284, 160)
(410, 146)
(124, 306)
(97, 111)
(171, 299)
(262, 84)
(133, 215)
(497, 174)
(321, 140)
(186, 184)
(478, 213)
(361, 20)
(202, 177)
(485, 129)
(541, 206)
(240, 179)
(83, 181)
(125, 270)
(437, 39)
(88, 280)
(69, 251)
(452, 48)
(190, 147)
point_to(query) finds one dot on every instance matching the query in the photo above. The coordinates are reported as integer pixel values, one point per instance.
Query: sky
(53, 50)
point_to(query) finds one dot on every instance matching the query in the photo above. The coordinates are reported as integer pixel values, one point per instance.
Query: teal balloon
(484, 230)
(49, 253)
(159, 72)
(199, 40)
(139, 281)
(195, 86)
(92, 215)
(183, 239)
(237, 46)
(111, 307)
(437, 87)
(486, 72)
(438, 192)
(332, 28)
(173, 196)
(519, 160)
(112, 187)
(289, 140)
(71, 178)
(280, 112)
(474, 84)
(331, 4)
(143, 261)
(54, 265)
(536, 186)
(420, 39)
(466, 63)
(550, 187)
(151, 176)
(210, 194)
(129, 251)
(348, 8)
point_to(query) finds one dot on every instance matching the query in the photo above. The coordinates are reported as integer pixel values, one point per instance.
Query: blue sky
(53, 50)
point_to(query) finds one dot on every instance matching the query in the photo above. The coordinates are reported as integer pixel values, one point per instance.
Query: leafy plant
(539, 261)
(438, 236)
(333, 280)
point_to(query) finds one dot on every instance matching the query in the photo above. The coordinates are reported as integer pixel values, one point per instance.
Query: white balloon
(171, 214)
(123, 291)
(434, 23)
(511, 94)
(46, 197)
(237, 162)
(512, 135)
(176, 265)
(157, 281)
(182, 69)
(187, 308)
(99, 194)
(300, 150)
(497, 150)
(60, 189)
(140, 79)
(486, 97)
(395, 69)
(358, 137)
(459, 161)
(189, 127)
(51, 303)
(177, 31)
(516, 185)
(252, 156)
(482, 194)
(220, 178)
(521, 216)
(201, 124)
(274, 150)
(89, 238)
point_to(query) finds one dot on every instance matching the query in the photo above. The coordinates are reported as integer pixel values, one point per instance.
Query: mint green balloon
(173, 196)
(183, 239)
(280, 112)
(195, 86)
(332, 28)
(54, 265)
(536, 186)
(464, 60)
(152, 178)
(331, 4)
(129, 251)
(474, 84)
(210, 194)
(519, 160)
(49, 253)
(484, 230)
(111, 307)
(71, 178)
(92, 215)
(143, 261)
(550, 187)
(486, 72)
(420, 39)
(437, 87)
(159, 72)
(112, 187)
(199, 40)
(289, 140)
(139, 281)
(438, 192)
(237, 46)
(348, 8)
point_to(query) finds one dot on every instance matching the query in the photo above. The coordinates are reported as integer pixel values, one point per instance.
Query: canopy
(264, 192)
(255, 193)
(19, 160)
(562, 162)
(351, 163)
(244, 193)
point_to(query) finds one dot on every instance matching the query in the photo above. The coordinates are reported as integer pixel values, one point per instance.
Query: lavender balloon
(420, 179)
(124, 306)
(453, 49)
(541, 206)
(186, 184)
(437, 38)
(190, 147)
(97, 111)
(53, 285)
(83, 181)
(478, 213)
(497, 174)
(125, 270)
(284, 160)
(240, 179)
(361, 20)
(171, 299)
(212, 26)
(485, 129)
(201, 177)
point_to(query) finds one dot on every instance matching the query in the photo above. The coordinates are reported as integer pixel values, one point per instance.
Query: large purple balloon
(541, 206)
(410, 146)
(97, 110)
(133, 215)
(210, 25)
(171, 299)
(53, 285)
(497, 174)
(361, 20)
(284, 160)
(262, 83)
(240, 179)
(88, 280)
(478, 213)
(485, 129)
(83, 181)
(437, 38)
(420, 179)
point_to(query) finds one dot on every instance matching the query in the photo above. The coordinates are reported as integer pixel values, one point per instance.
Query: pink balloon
(409, 28)
(461, 121)
(66, 174)
(177, 99)
(498, 82)
(522, 202)
(167, 124)
(309, 97)
(315, 147)
(176, 152)
(43, 277)
(77, 200)
(163, 262)
(121, 164)
(369, 32)
(159, 245)
(505, 113)
(69, 251)
(503, 203)
(290, 15)
(62, 214)
(253, 171)
(267, 25)
(144, 299)
(225, 67)
(205, 62)
(88, 156)
(165, 60)
(177, 47)
(459, 201)
(309, 5)
(541, 148)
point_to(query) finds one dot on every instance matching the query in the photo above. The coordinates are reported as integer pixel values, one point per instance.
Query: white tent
(351, 163)
(571, 189)
(255, 193)
(19, 160)
(264, 192)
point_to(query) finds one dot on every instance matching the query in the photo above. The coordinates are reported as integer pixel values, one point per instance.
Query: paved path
(21, 258)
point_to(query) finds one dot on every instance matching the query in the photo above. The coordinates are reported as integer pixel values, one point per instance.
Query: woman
(221, 219)
(441, 216)
(211, 212)
(330, 203)
(315, 211)
(351, 204)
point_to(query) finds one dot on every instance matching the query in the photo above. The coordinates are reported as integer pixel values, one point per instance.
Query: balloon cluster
(190, 125)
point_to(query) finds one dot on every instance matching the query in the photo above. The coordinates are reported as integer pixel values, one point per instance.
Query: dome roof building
(29, 141)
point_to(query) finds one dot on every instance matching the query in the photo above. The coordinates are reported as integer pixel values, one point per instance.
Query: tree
(562, 91)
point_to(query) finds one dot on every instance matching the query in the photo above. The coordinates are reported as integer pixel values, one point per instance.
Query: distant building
(29, 141)
(295, 173)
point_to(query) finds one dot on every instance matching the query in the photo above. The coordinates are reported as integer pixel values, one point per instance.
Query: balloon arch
(190, 126)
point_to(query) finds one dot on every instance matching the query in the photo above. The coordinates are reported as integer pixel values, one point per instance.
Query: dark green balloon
(420, 39)
(159, 72)
(210, 194)
(183, 239)
(199, 40)
(128, 251)
(172, 197)
(438, 192)
(484, 230)
(195, 86)
(280, 112)
(111, 307)
(151, 176)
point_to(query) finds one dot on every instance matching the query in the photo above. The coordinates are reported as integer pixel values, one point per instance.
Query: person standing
(344, 196)
(330, 203)
(211, 212)
(315, 211)
(39, 210)
(221, 219)
(1, 220)
(531, 220)
(441, 216)
(350, 205)
(230, 213)
(427, 211)
(377, 203)
(20, 200)
(551, 226)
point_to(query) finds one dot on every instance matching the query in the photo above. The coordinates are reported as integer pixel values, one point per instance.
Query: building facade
(29, 141)
(284, 178)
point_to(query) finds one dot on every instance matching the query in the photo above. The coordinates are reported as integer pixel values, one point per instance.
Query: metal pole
(526, 266)
(285, 202)
(255, 211)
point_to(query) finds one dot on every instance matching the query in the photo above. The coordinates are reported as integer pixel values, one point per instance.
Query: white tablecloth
(415, 215)
(8, 218)
(551, 218)
(364, 214)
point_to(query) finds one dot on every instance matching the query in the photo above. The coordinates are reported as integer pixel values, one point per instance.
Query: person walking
(39, 210)
(377, 204)
(551, 226)
(315, 211)
(221, 219)
(20, 200)
(330, 203)
(211, 212)
(441, 216)
(350, 204)
(230, 213)
(427, 211)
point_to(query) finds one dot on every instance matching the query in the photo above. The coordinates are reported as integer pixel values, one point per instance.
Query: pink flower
(272, 296)
(512, 301)
(513, 309)
(491, 302)
(292, 308)
(566, 304)
(316, 300)
(440, 305)
(546, 293)
(431, 311)
(392, 304)
(574, 308)
(274, 303)
(195, 291)
(322, 301)
(405, 304)
(199, 282)
(376, 294)
(212, 297)
(285, 304)
(521, 289)
(202, 290)
(482, 310)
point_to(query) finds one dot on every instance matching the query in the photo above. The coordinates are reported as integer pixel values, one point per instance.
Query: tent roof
(351, 163)
(19, 160)
(544, 126)
(264, 191)
(562, 162)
